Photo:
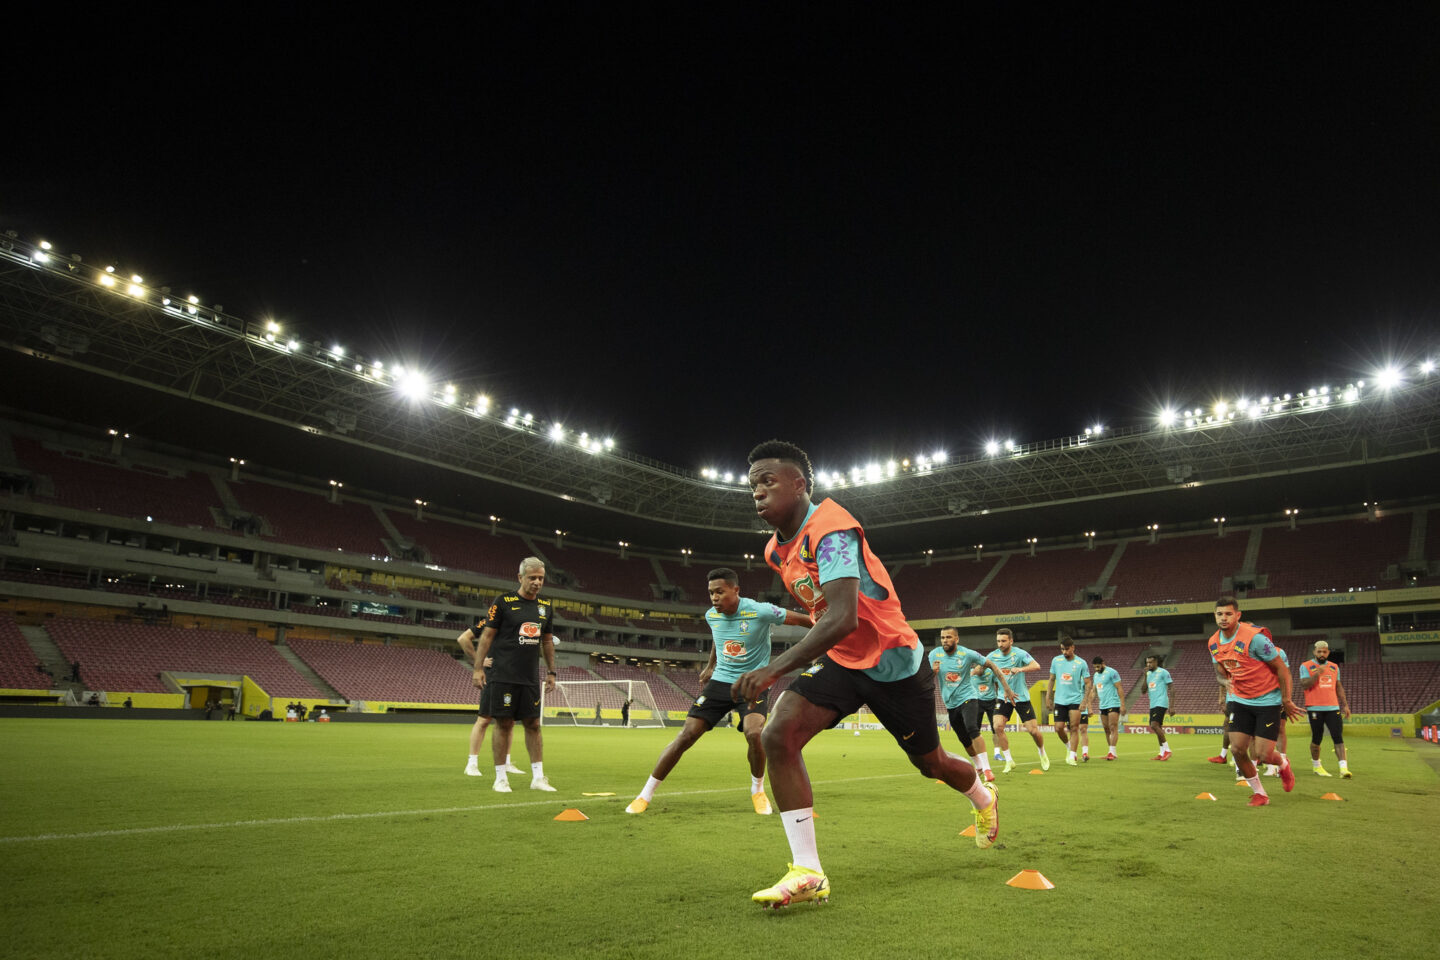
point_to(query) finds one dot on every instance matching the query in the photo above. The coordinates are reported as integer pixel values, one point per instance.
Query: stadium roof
(95, 349)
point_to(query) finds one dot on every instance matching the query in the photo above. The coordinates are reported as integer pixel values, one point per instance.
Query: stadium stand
(307, 519)
(19, 667)
(1359, 647)
(1175, 570)
(1049, 580)
(318, 611)
(105, 485)
(369, 671)
(604, 573)
(1331, 556)
(928, 592)
(461, 547)
(130, 656)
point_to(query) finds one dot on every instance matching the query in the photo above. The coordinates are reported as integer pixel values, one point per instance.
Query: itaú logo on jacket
(529, 633)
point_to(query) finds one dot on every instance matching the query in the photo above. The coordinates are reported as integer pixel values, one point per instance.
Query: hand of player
(1345, 712)
(705, 676)
(478, 678)
(751, 685)
(1292, 711)
(549, 684)
(489, 662)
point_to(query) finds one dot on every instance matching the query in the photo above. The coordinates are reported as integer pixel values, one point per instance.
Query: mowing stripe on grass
(279, 821)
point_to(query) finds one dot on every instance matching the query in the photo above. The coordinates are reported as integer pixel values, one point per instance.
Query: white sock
(648, 793)
(537, 769)
(980, 798)
(474, 760)
(800, 831)
(1112, 751)
(1085, 750)
(1070, 754)
(507, 759)
(1224, 753)
(1256, 785)
(500, 773)
(1040, 751)
(1010, 759)
(1343, 764)
(1165, 747)
(757, 784)
(981, 761)
(997, 753)
(1314, 764)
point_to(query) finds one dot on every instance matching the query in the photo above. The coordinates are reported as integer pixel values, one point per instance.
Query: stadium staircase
(303, 668)
(1252, 553)
(49, 654)
(978, 594)
(1108, 571)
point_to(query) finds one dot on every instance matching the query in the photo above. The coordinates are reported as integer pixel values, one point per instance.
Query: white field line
(336, 817)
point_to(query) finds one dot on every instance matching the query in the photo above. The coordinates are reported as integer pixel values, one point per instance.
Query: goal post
(578, 701)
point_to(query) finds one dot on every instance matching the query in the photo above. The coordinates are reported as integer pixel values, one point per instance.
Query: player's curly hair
(723, 573)
(789, 453)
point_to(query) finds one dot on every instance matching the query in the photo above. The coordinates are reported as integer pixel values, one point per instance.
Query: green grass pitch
(177, 839)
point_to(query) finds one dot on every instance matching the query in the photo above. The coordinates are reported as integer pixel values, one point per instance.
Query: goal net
(863, 719)
(595, 703)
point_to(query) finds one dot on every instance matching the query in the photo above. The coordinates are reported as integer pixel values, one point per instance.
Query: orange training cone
(1030, 880)
(968, 831)
(1204, 796)
(1037, 773)
(1331, 796)
(570, 813)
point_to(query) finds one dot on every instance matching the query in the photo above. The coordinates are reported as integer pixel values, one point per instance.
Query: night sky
(875, 232)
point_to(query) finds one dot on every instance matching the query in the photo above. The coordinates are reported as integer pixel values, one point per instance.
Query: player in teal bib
(740, 628)
(1013, 664)
(1107, 688)
(955, 670)
(1070, 688)
(1157, 686)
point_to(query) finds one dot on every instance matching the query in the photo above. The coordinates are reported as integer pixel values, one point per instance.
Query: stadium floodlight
(1389, 378)
(411, 383)
(609, 443)
(45, 245)
(1010, 446)
(135, 290)
(1221, 408)
(729, 477)
(940, 456)
(40, 256)
(1428, 366)
(557, 432)
(106, 280)
(992, 447)
(873, 472)
(136, 278)
(1167, 417)
(337, 351)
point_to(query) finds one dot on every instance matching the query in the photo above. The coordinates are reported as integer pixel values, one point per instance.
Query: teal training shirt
(1068, 677)
(1157, 684)
(1013, 660)
(742, 639)
(1107, 687)
(956, 683)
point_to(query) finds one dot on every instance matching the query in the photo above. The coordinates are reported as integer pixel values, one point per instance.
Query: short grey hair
(530, 563)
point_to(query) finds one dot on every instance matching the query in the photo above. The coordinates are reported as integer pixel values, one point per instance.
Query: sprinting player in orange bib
(860, 651)
(1250, 666)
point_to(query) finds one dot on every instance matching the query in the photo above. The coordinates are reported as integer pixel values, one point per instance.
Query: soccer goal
(863, 719)
(594, 703)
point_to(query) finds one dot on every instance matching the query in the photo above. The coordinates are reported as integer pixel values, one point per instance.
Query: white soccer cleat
(540, 783)
(501, 786)
(511, 768)
(472, 771)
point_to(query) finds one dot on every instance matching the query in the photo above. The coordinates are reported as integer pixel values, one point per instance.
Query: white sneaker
(540, 783)
(473, 772)
(501, 786)
(511, 768)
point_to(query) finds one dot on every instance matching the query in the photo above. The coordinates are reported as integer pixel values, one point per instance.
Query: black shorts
(715, 702)
(1157, 714)
(1261, 722)
(906, 708)
(485, 701)
(987, 710)
(1106, 711)
(1062, 712)
(965, 720)
(1084, 718)
(520, 701)
(1322, 720)
(1024, 708)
